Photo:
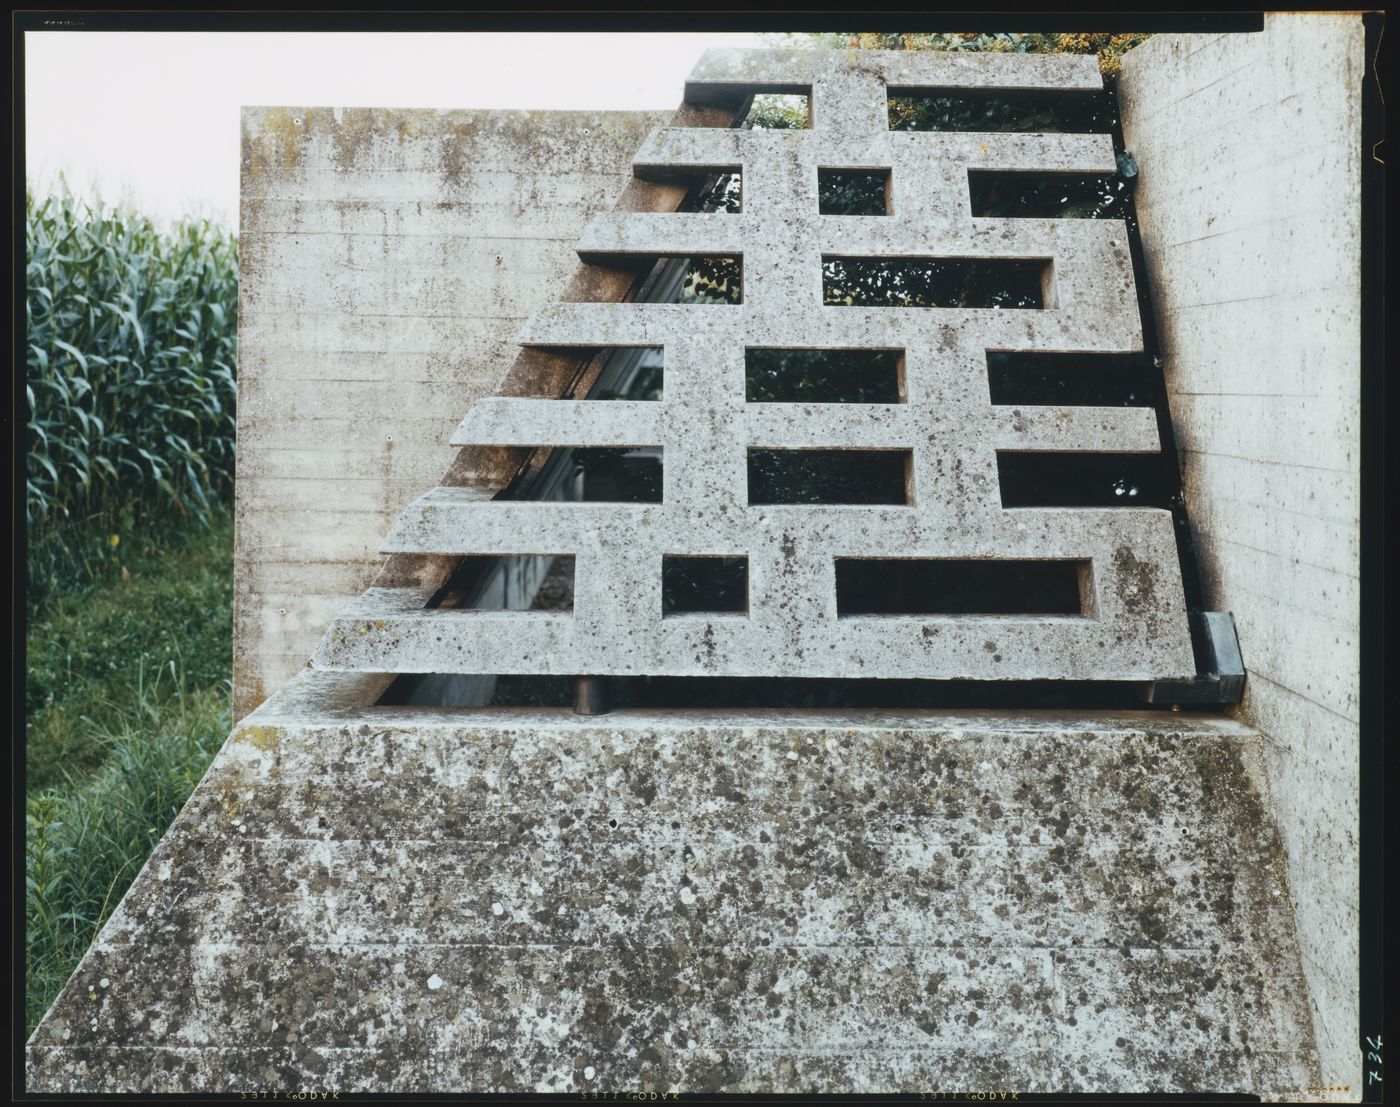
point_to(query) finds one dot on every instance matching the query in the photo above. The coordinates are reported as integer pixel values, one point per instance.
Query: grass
(97, 653)
(128, 699)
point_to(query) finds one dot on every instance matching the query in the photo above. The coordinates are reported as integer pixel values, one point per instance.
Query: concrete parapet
(413, 900)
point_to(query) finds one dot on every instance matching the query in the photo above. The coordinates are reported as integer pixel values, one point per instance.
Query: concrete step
(409, 900)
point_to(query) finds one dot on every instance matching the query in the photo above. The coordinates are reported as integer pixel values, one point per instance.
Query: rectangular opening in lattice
(1052, 380)
(704, 585)
(619, 474)
(829, 476)
(937, 586)
(1000, 194)
(795, 376)
(1042, 479)
(715, 190)
(786, 109)
(935, 282)
(999, 110)
(853, 191)
(716, 279)
(509, 582)
(617, 372)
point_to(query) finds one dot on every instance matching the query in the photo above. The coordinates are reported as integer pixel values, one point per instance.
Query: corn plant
(131, 342)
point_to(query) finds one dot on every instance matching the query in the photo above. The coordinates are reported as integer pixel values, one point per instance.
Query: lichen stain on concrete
(262, 738)
(278, 143)
(1138, 589)
(352, 135)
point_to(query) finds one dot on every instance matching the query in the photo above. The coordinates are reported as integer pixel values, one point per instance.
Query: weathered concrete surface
(1133, 622)
(387, 260)
(398, 901)
(722, 76)
(1249, 205)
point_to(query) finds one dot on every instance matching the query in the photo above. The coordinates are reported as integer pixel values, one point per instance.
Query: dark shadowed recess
(1004, 195)
(1001, 111)
(1030, 479)
(791, 692)
(828, 476)
(853, 191)
(933, 282)
(1073, 380)
(643, 377)
(794, 376)
(620, 474)
(475, 574)
(717, 585)
(928, 586)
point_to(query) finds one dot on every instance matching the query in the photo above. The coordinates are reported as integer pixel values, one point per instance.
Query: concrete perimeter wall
(387, 261)
(1249, 147)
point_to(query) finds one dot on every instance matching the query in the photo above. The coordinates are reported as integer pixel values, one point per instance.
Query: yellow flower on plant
(114, 541)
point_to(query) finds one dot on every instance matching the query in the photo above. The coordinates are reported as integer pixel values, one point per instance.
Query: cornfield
(131, 335)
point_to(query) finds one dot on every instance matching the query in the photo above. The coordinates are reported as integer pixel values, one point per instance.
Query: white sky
(152, 117)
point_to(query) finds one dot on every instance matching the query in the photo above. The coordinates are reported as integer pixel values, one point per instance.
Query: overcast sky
(153, 117)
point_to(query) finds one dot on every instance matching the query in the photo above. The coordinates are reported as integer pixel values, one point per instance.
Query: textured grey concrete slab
(416, 900)
(720, 73)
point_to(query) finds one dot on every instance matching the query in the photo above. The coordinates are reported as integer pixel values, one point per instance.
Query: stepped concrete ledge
(416, 900)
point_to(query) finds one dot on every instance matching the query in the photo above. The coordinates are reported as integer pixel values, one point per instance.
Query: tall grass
(130, 387)
(85, 844)
(92, 651)
(131, 343)
(128, 699)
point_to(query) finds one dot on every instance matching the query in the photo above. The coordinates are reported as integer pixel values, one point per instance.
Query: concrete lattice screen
(943, 434)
